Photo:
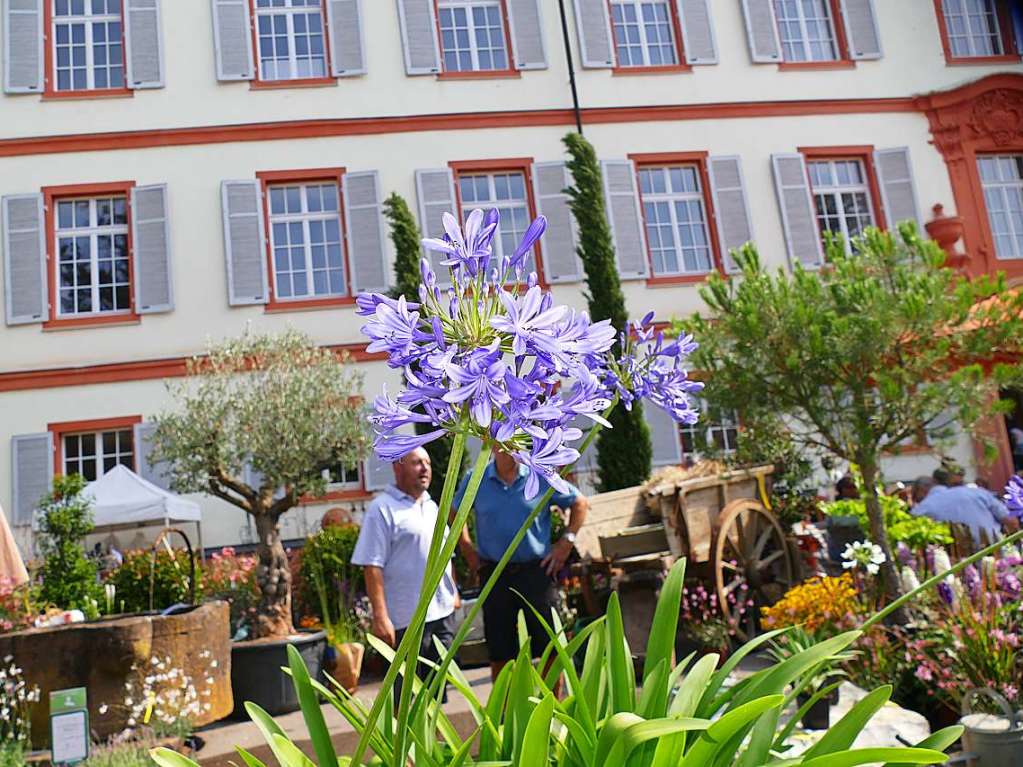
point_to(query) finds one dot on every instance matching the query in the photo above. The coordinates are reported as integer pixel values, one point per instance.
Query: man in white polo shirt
(393, 546)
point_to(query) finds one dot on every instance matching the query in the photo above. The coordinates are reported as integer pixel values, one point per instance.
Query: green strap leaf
(661, 643)
(843, 733)
(290, 754)
(860, 756)
(165, 757)
(693, 686)
(939, 741)
(311, 711)
(535, 751)
(249, 759)
(621, 672)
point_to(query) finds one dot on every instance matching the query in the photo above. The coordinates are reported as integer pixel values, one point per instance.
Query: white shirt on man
(395, 536)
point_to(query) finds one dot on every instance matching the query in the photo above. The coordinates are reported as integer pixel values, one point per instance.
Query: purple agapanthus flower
(946, 593)
(546, 459)
(1014, 496)
(477, 379)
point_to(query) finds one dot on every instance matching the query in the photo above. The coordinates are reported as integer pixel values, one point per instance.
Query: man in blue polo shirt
(501, 508)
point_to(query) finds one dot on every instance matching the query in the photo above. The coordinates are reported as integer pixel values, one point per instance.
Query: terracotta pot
(348, 664)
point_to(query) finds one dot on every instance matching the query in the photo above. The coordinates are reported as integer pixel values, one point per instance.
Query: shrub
(330, 552)
(232, 577)
(168, 572)
(915, 532)
(69, 578)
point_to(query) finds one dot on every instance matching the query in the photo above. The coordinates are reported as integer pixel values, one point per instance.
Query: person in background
(1016, 438)
(501, 507)
(974, 507)
(846, 490)
(393, 545)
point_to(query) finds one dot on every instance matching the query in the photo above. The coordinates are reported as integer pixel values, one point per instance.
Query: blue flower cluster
(1014, 496)
(494, 358)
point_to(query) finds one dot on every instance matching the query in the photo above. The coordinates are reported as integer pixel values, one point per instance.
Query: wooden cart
(718, 523)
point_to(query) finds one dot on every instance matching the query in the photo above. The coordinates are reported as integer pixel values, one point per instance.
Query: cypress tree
(408, 251)
(623, 452)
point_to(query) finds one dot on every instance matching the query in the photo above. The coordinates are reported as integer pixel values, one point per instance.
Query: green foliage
(68, 576)
(883, 345)
(327, 559)
(276, 404)
(168, 571)
(903, 527)
(683, 716)
(623, 452)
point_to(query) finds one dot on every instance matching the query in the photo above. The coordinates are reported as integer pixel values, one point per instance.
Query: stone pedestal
(99, 656)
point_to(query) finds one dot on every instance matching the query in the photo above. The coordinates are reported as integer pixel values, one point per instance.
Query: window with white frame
(714, 432)
(88, 45)
(507, 192)
(342, 477)
(305, 239)
(472, 35)
(643, 33)
(973, 28)
(291, 39)
(93, 275)
(841, 195)
(93, 454)
(676, 220)
(1002, 179)
(807, 30)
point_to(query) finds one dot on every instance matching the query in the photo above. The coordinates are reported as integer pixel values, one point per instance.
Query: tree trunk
(273, 617)
(879, 536)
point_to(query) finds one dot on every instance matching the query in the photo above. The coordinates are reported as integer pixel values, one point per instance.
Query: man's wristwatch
(569, 536)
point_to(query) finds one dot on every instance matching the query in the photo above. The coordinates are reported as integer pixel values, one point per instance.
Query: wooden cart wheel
(750, 550)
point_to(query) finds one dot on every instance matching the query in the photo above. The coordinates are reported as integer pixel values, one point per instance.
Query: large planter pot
(106, 655)
(256, 674)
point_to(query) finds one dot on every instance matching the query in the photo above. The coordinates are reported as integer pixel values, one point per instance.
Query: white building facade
(178, 171)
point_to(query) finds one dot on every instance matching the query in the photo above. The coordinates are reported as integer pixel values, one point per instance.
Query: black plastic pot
(818, 716)
(256, 674)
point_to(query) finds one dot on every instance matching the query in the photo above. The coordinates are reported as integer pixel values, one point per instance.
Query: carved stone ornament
(999, 114)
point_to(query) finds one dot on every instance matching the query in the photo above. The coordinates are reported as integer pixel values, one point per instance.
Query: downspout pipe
(571, 68)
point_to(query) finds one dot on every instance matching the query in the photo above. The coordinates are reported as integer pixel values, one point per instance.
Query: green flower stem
(463, 631)
(934, 580)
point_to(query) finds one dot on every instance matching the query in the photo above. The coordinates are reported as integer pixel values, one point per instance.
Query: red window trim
(258, 83)
(52, 194)
(863, 153)
(62, 428)
(664, 69)
(312, 175)
(1008, 40)
(49, 74)
(523, 165)
(844, 58)
(478, 74)
(699, 159)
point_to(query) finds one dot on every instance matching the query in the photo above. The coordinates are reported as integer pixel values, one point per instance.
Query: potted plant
(260, 420)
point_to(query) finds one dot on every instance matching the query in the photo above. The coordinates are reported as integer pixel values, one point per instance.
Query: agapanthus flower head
(1014, 496)
(495, 358)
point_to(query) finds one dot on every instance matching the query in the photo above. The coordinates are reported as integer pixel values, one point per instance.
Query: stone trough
(99, 655)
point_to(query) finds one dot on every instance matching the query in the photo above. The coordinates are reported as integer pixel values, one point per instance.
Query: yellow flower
(813, 604)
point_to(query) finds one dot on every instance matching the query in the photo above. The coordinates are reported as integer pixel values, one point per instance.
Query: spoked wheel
(751, 552)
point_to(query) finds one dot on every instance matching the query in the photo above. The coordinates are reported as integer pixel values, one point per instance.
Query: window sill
(74, 323)
(488, 74)
(273, 85)
(814, 65)
(676, 279)
(335, 495)
(670, 69)
(982, 61)
(309, 304)
(85, 95)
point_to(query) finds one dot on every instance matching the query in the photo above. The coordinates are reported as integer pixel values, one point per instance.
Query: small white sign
(70, 734)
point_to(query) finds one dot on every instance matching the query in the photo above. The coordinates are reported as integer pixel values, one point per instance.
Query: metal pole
(571, 68)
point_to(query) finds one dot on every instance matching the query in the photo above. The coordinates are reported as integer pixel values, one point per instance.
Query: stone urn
(946, 231)
(111, 658)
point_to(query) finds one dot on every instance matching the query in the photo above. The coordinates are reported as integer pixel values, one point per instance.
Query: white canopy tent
(123, 500)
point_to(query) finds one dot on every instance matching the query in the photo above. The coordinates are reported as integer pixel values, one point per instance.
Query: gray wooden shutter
(144, 43)
(596, 44)
(419, 36)
(24, 252)
(244, 242)
(364, 224)
(762, 31)
(664, 436)
(347, 38)
(23, 46)
(1017, 26)
(697, 32)
(435, 189)
(861, 29)
(624, 216)
(798, 215)
(731, 206)
(154, 290)
(895, 177)
(558, 245)
(158, 473)
(232, 40)
(526, 24)
(378, 474)
(31, 473)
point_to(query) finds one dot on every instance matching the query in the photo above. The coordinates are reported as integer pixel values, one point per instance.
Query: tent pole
(198, 534)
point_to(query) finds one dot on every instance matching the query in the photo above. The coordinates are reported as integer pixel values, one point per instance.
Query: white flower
(154, 660)
(863, 554)
(209, 680)
(909, 579)
(941, 561)
(103, 709)
(213, 663)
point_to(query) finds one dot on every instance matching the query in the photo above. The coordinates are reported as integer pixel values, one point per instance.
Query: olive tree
(880, 346)
(258, 420)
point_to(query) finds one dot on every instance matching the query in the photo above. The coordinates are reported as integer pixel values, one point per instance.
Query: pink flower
(924, 673)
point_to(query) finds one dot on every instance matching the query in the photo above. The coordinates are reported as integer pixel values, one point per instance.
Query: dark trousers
(502, 607)
(444, 630)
